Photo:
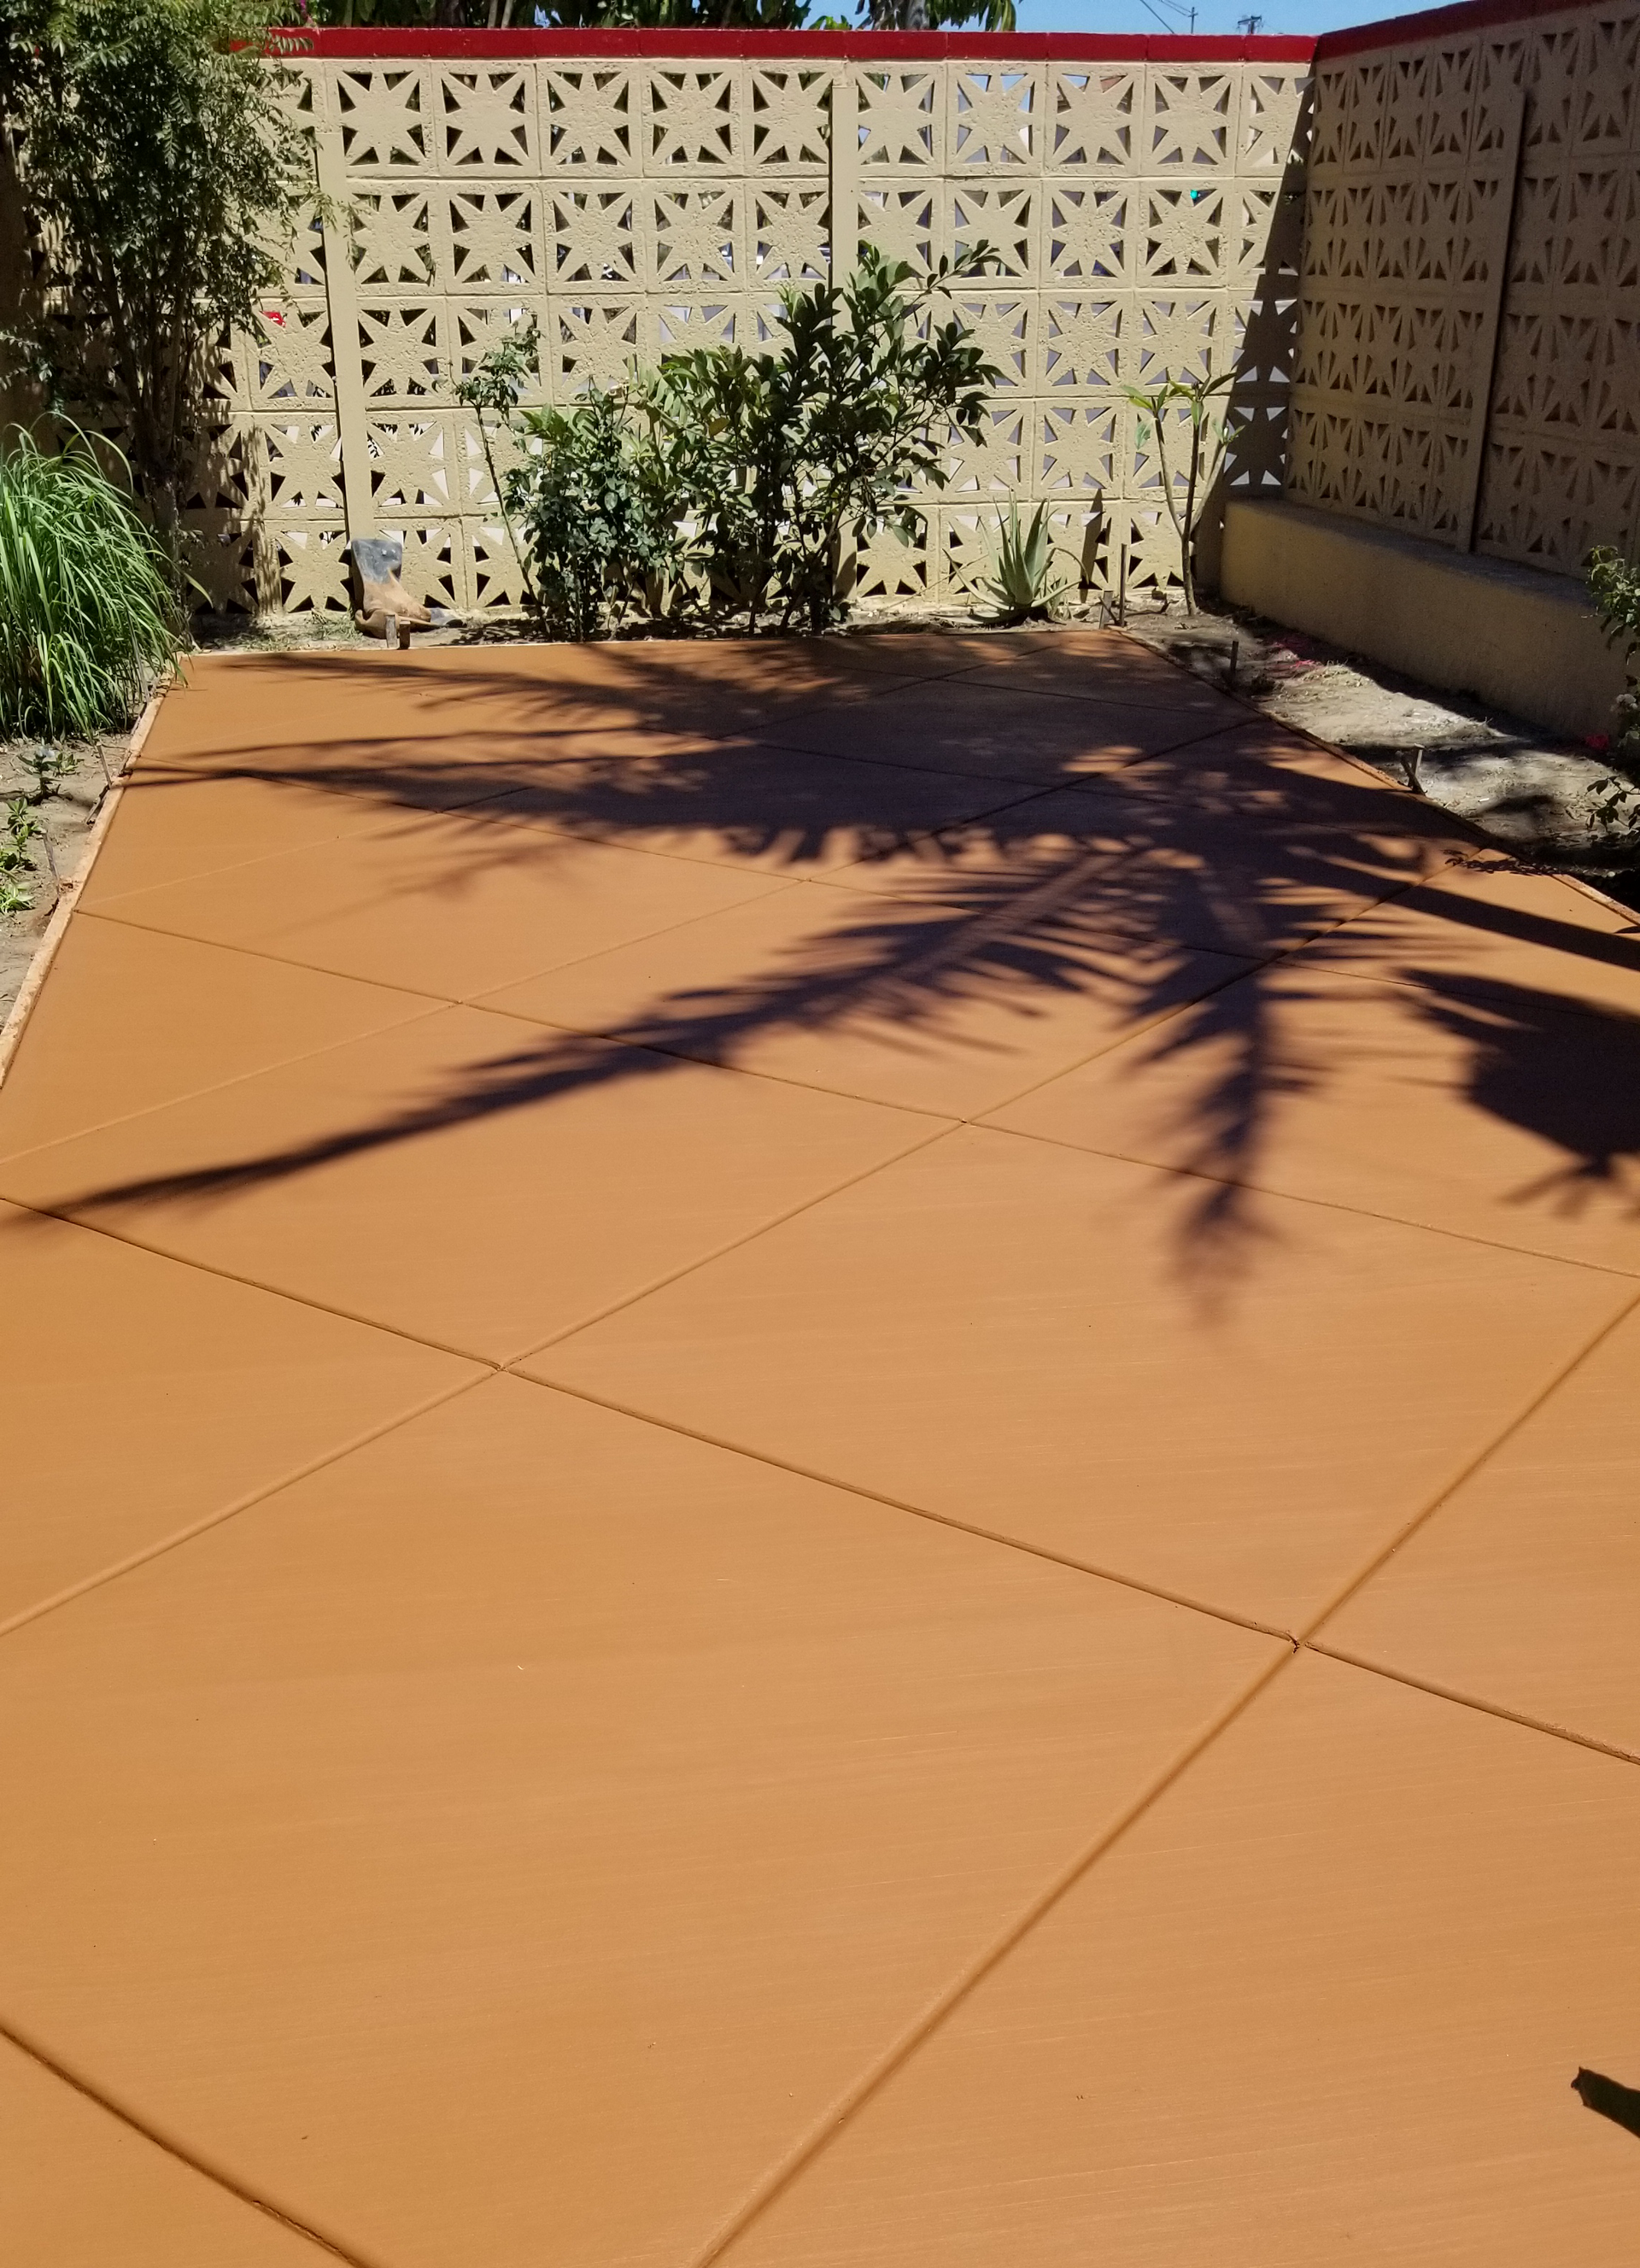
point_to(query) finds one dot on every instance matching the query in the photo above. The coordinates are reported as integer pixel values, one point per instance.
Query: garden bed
(1533, 793)
(65, 817)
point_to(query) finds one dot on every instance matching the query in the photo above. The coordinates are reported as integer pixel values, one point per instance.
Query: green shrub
(85, 611)
(598, 527)
(744, 478)
(1615, 587)
(795, 453)
(166, 178)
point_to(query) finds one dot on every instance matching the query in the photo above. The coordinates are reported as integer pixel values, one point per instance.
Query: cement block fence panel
(640, 192)
(1469, 364)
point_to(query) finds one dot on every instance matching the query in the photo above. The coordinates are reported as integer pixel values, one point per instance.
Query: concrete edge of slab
(51, 937)
(1514, 638)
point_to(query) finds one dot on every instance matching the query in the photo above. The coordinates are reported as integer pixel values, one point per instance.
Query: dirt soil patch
(63, 805)
(1534, 794)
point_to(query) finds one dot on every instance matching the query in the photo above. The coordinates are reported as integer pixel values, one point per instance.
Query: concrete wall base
(1515, 640)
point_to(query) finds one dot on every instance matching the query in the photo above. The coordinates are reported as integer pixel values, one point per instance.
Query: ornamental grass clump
(86, 615)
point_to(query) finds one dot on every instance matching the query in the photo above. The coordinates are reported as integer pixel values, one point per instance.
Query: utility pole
(1250, 24)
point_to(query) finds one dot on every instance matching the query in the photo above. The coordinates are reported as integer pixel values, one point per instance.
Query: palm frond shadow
(1172, 893)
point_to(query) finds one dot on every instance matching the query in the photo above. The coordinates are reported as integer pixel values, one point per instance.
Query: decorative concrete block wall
(636, 193)
(1469, 349)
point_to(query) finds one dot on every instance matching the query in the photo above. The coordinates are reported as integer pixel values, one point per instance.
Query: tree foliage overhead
(165, 177)
(665, 15)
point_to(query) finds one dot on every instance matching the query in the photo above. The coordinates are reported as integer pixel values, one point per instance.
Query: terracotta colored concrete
(731, 1789)
(467, 1178)
(827, 1005)
(966, 724)
(784, 811)
(1104, 1361)
(145, 1397)
(174, 823)
(1323, 2004)
(1554, 937)
(107, 1040)
(1480, 1105)
(83, 2189)
(447, 906)
(614, 1799)
(1520, 1590)
(1089, 666)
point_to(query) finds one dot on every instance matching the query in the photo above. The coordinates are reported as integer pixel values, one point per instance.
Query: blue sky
(1290, 16)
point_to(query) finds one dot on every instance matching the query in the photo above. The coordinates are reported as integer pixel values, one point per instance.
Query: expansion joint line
(843, 2111)
(854, 2099)
(160, 2140)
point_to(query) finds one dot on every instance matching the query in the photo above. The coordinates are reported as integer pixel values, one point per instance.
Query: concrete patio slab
(446, 906)
(1482, 1107)
(778, 811)
(628, 1640)
(147, 1397)
(962, 724)
(811, 985)
(1518, 1591)
(1229, 845)
(1131, 1369)
(401, 724)
(615, 1800)
(467, 1178)
(106, 1040)
(175, 823)
(1323, 2003)
(1555, 937)
(82, 2188)
(1090, 666)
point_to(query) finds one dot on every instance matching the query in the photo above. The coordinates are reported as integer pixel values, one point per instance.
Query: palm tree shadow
(1168, 891)
(1566, 1071)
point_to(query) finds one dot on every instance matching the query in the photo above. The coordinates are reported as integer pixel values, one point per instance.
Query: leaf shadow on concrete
(1188, 887)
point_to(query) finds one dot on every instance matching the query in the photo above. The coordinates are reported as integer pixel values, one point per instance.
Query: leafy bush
(752, 472)
(1615, 587)
(167, 178)
(85, 611)
(596, 502)
(586, 497)
(792, 453)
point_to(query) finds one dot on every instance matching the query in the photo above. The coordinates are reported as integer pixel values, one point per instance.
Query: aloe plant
(1021, 585)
